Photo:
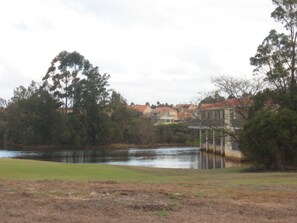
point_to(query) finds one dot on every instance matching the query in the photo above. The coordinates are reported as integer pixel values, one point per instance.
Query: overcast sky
(154, 50)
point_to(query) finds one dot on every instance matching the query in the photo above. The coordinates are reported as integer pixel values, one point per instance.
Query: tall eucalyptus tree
(276, 56)
(63, 75)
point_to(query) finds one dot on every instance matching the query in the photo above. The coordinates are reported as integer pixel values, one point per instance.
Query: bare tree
(225, 109)
(240, 90)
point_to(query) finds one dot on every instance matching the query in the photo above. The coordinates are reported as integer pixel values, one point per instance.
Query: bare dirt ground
(55, 201)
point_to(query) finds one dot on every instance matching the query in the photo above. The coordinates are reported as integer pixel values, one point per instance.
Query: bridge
(214, 136)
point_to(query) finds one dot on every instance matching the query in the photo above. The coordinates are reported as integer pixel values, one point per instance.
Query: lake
(176, 157)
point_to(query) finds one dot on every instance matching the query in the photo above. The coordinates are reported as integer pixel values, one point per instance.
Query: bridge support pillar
(213, 141)
(222, 143)
(222, 162)
(200, 139)
(206, 144)
(200, 161)
(206, 161)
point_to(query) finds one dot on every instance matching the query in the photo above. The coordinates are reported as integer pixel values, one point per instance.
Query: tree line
(73, 106)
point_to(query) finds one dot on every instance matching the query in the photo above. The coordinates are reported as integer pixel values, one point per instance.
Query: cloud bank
(154, 50)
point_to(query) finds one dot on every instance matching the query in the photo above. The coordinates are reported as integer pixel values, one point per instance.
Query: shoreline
(53, 148)
(107, 147)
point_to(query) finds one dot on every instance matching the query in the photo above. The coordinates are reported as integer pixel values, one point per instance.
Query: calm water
(183, 157)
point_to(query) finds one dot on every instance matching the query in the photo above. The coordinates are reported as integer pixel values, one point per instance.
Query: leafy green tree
(120, 116)
(75, 82)
(3, 105)
(269, 140)
(276, 56)
(32, 117)
(93, 100)
(139, 130)
(262, 99)
(63, 76)
(177, 133)
(127, 125)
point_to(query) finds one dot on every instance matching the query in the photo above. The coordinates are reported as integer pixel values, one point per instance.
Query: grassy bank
(34, 191)
(13, 169)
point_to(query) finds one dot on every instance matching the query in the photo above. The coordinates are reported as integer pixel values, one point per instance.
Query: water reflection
(183, 157)
(211, 161)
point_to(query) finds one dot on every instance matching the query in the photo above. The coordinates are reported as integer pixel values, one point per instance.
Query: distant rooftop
(226, 103)
(164, 109)
(139, 108)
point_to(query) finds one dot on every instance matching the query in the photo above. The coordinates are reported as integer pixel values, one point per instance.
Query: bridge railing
(209, 123)
(235, 123)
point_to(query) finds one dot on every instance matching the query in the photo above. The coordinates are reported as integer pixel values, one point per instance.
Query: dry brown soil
(55, 201)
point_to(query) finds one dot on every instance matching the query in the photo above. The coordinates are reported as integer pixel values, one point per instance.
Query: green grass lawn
(13, 169)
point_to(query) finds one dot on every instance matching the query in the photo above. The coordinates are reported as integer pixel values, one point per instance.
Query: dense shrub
(175, 133)
(269, 139)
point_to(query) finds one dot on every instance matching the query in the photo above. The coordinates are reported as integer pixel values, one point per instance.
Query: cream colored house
(185, 111)
(164, 115)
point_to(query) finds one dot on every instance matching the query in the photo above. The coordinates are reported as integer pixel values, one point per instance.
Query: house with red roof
(164, 115)
(145, 110)
(185, 111)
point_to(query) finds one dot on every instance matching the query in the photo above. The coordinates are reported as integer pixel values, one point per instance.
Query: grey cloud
(175, 70)
(10, 78)
(160, 89)
(22, 26)
(103, 8)
(26, 25)
(198, 56)
(110, 66)
(123, 13)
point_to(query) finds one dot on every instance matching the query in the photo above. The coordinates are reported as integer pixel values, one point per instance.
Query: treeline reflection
(179, 157)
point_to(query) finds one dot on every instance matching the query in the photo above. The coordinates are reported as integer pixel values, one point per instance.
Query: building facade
(164, 115)
(185, 112)
(219, 125)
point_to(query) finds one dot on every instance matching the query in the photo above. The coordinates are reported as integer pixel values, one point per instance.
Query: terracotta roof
(163, 109)
(226, 103)
(210, 105)
(139, 108)
(184, 116)
(238, 101)
(182, 105)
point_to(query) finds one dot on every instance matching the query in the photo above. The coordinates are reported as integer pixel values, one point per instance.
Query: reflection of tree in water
(191, 158)
(143, 154)
(95, 156)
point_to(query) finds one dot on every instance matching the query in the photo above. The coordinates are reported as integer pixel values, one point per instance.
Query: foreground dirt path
(51, 201)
